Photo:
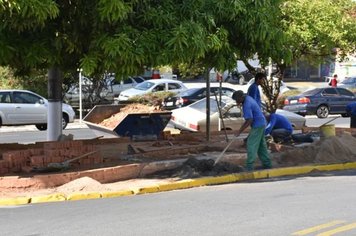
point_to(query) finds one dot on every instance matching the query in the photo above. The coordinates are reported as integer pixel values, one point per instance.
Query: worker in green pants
(256, 143)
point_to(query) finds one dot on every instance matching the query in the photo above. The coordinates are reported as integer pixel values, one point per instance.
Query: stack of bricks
(53, 152)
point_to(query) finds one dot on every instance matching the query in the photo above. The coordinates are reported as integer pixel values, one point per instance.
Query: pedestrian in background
(333, 81)
(254, 91)
(351, 111)
(256, 142)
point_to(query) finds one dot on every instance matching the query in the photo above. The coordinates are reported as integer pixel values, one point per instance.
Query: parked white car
(117, 86)
(152, 85)
(193, 117)
(22, 107)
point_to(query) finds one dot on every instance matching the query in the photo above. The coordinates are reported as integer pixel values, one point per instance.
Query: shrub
(152, 99)
(282, 97)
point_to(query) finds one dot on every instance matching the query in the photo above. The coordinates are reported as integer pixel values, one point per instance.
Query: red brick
(37, 160)
(36, 151)
(4, 164)
(4, 171)
(26, 169)
(51, 152)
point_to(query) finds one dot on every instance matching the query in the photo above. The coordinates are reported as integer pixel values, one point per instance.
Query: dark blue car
(320, 102)
(192, 95)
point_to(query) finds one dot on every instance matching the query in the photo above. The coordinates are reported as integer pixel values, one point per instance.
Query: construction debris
(196, 158)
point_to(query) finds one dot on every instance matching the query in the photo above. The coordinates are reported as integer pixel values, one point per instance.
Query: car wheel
(41, 127)
(65, 121)
(322, 111)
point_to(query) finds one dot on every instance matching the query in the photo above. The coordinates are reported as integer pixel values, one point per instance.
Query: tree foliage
(123, 36)
(312, 31)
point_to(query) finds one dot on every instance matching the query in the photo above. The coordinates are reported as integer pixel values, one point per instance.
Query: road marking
(338, 230)
(318, 227)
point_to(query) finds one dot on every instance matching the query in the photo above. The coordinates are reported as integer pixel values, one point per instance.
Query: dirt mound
(115, 119)
(331, 150)
(194, 168)
(84, 184)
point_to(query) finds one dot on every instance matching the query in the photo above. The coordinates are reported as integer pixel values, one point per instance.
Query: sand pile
(84, 184)
(331, 150)
(115, 119)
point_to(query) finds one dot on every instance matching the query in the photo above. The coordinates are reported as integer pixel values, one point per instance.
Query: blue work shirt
(251, 110)
(254, 92)
(277, 121)
(351, 108)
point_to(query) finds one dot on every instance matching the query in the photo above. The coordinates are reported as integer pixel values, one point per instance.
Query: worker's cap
(237, 95)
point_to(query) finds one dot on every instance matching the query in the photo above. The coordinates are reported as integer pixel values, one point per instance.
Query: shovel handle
(330, 121)
(223, 152)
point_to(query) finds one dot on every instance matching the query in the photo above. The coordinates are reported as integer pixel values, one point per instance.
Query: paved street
(317, 205)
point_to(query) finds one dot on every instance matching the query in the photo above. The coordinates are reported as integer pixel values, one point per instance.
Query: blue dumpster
(134, 125)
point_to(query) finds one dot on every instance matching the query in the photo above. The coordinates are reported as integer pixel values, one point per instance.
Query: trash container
(137, 126)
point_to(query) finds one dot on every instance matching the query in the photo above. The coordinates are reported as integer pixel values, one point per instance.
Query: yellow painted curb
(350, 165)
(14, 201)
(56, 197)
(173, 186)
(117, 194)
(150, 189)
(290, 171)
(83, 196)
(181, 184)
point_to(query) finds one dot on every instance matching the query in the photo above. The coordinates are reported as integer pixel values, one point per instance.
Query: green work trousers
(257, 146)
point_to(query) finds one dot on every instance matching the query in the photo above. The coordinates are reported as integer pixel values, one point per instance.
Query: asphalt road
(293, 206)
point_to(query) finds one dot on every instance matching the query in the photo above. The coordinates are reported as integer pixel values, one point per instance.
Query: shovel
(329, 121)
(223, 152)
(52, 167)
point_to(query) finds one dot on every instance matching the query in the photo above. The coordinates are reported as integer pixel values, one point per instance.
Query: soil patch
(331, 150)
(115, 119)
(194, 168)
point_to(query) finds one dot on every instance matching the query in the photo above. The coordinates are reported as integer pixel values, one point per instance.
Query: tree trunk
(54, 117)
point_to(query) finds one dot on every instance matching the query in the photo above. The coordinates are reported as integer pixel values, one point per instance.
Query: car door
(347, 97)
(232, 116)
(332, 98)
(174, 87)
(28, 108)
(159, 87)
(6, 107)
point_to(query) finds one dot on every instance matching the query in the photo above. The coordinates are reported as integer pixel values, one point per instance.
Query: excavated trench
(194, 168)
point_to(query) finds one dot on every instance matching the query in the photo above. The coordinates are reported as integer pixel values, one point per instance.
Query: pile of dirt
(115, 119)
(331, 150)
(84, 184)
(194, 168)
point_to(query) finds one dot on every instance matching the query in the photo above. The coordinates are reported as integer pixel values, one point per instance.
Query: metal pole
(80, 96)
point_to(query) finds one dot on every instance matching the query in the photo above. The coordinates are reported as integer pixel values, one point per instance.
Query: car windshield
(311, 92)
(201, 106)
(138, 79)
(189, 92)
(144, 85)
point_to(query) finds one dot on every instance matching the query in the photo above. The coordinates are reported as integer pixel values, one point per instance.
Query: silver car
(151, 86)
(193, 117)
(22, 107)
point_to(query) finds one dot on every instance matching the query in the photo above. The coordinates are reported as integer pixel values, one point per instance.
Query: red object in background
(333, 82)
(218, 77)
(155, 74)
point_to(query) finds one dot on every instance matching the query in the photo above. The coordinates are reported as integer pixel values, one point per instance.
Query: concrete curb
(182, 184)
